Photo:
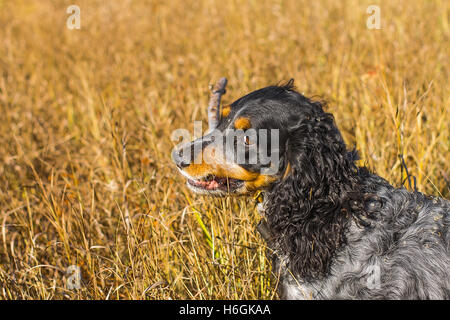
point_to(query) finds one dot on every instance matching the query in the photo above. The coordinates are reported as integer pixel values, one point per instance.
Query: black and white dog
(336, 230)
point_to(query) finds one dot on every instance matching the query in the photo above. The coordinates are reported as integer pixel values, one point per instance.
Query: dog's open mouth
(213, 183)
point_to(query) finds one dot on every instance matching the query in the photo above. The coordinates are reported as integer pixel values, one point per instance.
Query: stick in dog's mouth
(214, 103)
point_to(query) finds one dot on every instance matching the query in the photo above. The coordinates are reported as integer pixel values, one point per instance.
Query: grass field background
(86, 116)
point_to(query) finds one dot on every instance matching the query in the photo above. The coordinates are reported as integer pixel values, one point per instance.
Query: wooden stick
(214, 103)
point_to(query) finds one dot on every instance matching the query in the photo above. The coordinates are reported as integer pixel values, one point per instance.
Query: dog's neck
(307, 227)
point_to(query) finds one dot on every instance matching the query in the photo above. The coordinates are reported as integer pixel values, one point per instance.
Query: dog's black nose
(180, 161)
(182, 164)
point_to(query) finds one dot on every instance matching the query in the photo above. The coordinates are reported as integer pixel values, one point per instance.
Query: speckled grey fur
(408, 246)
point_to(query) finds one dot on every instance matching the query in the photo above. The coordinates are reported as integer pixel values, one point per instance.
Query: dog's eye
(248, 141)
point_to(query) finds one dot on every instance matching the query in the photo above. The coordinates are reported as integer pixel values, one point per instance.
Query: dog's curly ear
(306, 207)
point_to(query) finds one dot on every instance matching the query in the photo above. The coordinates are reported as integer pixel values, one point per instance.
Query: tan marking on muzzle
(213, 161)
(260, 182)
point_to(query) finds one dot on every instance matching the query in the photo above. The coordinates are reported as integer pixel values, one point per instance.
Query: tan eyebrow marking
(242, 123)
(226, 111)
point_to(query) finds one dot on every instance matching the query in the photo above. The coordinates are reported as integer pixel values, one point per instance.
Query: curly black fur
(330, 220)
(308, 210)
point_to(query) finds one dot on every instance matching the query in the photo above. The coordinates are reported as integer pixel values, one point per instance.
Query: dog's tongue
(212, 184)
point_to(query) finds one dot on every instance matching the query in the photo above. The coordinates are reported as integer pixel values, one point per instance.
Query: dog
(335, 230)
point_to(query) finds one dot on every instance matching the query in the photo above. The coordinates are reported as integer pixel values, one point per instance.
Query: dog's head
(261, 139)
(311, 179)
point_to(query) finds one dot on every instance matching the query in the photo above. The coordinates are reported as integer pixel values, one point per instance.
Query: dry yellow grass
(86, 117)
